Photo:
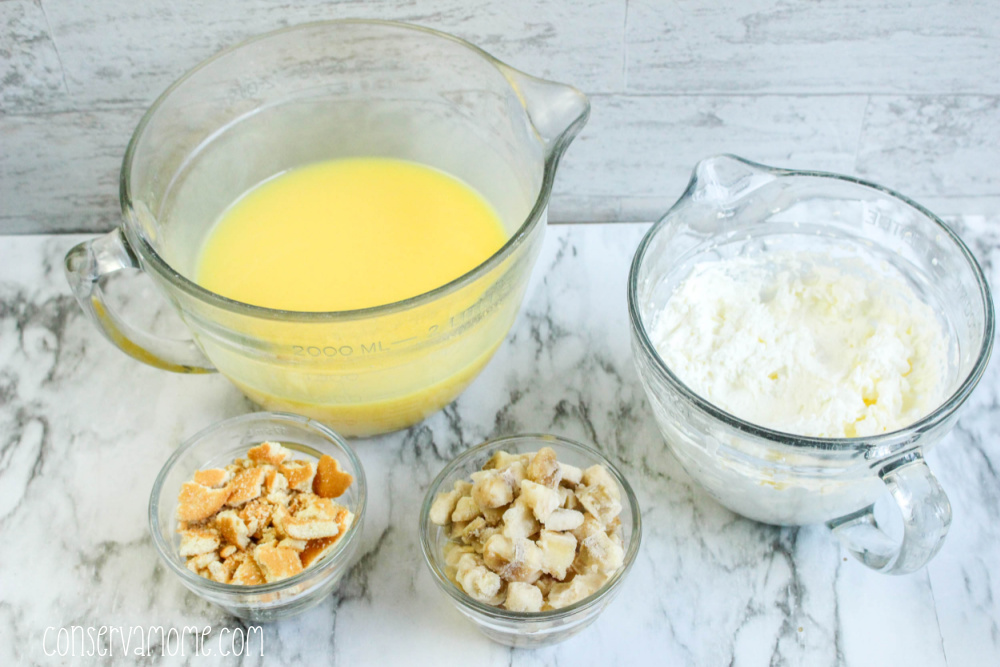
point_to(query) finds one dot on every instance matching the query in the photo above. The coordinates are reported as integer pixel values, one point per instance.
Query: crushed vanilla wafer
(530, 533)
(263, 518)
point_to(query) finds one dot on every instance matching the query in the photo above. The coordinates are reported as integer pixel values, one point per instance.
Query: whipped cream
(803, 343)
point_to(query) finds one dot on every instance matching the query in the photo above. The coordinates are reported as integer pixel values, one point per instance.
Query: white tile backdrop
(906, 93)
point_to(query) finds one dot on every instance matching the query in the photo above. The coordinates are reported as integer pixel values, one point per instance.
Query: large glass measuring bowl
(317, 92)
(737, 208)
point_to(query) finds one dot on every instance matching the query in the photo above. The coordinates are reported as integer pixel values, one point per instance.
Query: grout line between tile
(857, 93)
(134, 105)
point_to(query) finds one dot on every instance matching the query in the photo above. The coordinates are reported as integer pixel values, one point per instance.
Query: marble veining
(84, 430)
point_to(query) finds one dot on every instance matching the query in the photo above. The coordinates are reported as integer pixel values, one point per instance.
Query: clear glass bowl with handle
(527, 629)
(316, 92)
(733, 207)
(219, 445)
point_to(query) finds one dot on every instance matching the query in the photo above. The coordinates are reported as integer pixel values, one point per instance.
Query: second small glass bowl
(217, 446)
(527, 629)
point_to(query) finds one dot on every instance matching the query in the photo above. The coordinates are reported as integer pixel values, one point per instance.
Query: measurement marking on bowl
(333, 351)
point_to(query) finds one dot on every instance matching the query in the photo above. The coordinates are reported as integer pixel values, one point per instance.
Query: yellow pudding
(348, 234)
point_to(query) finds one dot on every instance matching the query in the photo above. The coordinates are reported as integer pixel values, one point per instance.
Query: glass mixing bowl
(733, 207)
(527, 629)
(317, 92)
(219, 445)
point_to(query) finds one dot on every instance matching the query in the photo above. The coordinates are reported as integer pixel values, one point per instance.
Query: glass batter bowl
(528, 629)
(316, 92)
(219, 445)
(733, 207)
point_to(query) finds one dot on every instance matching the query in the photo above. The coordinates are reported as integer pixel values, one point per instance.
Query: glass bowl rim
(462, 598)
(324, 569)
(893, 439)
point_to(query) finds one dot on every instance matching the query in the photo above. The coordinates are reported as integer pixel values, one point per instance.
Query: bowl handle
(89, 262)
(926, 516)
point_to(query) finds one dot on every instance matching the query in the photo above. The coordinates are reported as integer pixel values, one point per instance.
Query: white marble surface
(902, 92)
(84, 430)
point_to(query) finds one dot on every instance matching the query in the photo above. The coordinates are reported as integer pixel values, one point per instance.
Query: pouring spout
(557, 111)
(725, 179)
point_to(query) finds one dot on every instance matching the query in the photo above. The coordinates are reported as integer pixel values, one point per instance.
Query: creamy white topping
(801, 343)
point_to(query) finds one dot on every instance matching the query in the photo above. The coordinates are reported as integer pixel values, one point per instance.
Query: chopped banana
(563, 520)
(571, 475)
(541, 499)
(501, 460)
(453, 552)
(468, 560)
(599, 476)
(545, 583)
(582, 585)
(477, 533)
(599, 502)
(589, 526)
(476, 580)
(616, 537)
(544, 468)
(519, 521)
(531, 533)
(558, 552)
(456, 528)
(494, 515)
(514, 474)
(443, 506)
(601, 553)
(566, 497)
(514, 560)
(466, 509)
(472, 529)
(523, 597)
(490, 489)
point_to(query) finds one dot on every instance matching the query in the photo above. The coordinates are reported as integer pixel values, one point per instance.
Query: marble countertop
(84, 430)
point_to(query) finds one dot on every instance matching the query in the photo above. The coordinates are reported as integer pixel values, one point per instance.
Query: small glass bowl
(217, 446)
(527, 629)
